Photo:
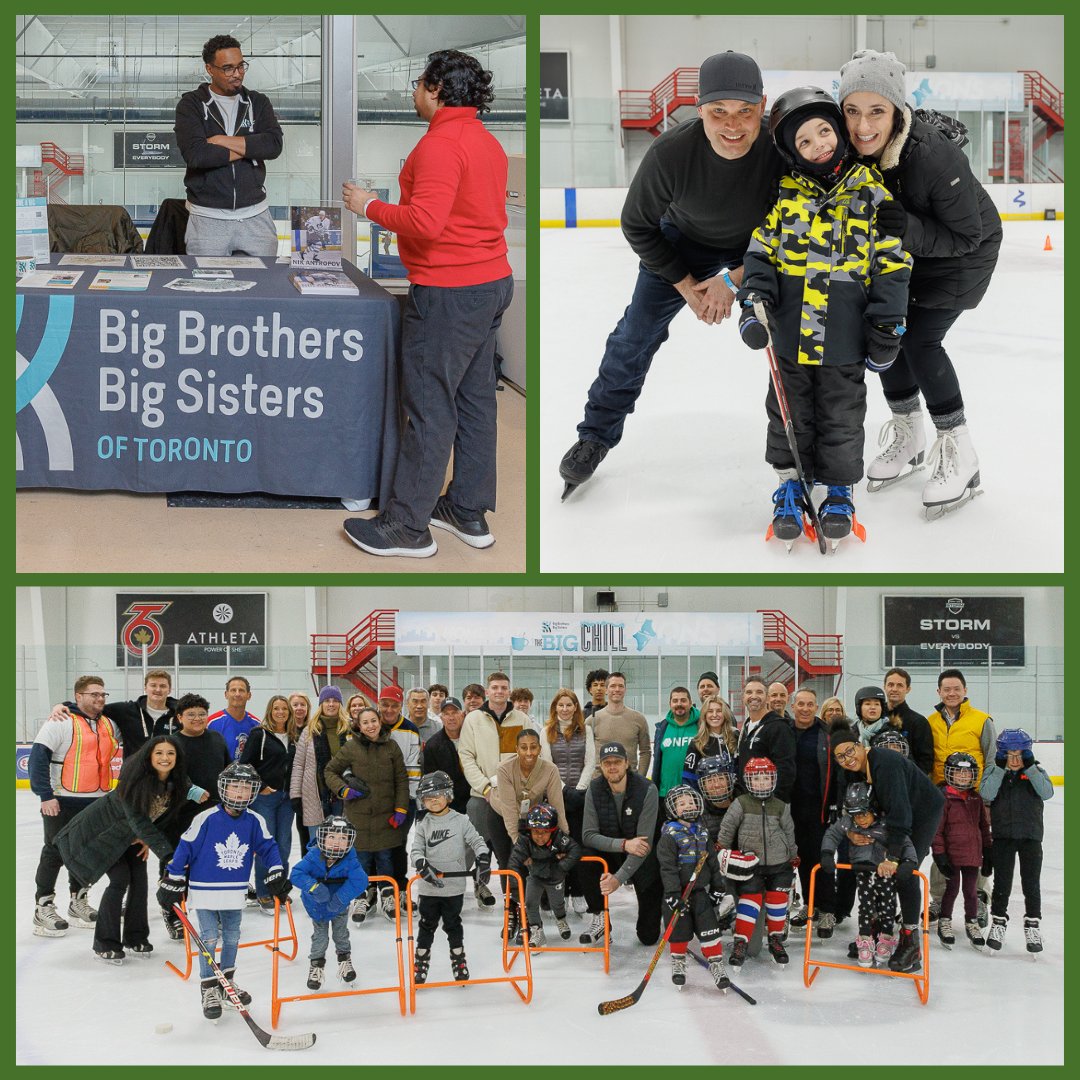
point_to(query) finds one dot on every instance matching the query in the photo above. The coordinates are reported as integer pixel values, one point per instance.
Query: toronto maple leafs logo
(231, 853)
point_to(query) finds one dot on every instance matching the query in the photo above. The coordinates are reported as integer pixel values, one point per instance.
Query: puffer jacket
(680, 846)
(1016, 800)
(953, 229)
(824, 269)
(380, 764)
(545, 865)
(304, 783)
(865, 856)
(346, 881)
(964, 830)
(763, 826)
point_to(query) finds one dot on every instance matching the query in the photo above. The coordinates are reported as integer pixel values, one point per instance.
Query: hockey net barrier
(921, 979)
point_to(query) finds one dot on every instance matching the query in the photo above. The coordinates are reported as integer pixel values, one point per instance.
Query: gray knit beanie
(875, 73)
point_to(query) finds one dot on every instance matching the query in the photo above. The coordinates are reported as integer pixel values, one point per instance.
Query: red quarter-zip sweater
(451, 220)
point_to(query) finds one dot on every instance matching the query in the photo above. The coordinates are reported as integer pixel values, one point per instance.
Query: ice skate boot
(458, 966)
(1032, 936)
(974, 933)
(315, 974)
(907, 956)
(837, 516)
(484, 897)
(903, 450)
(776, 949)
(719, 973)
(421, 963)
(361, 906)
(579, 463)
(345, 970)
(110, 956)
(945, 932)
(678, 969)
(954, 473)
(387, 905)
(243, 995)
(799, 918)
(788, 523)
(47, 920)
(594, 932)
(173, 926)
(738, 952)
(996, 938)
(537, 939)
(984, 909)
(564, 929)
(80, 913)
(211, 999)
(825, 922)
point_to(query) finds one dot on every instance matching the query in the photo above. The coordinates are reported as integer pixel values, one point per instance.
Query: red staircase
(646, 110)
(1048, 107)
(352, 655)
(63, 165)
(801, 655)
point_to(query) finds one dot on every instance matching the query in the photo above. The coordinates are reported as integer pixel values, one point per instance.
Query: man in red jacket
(450, 227)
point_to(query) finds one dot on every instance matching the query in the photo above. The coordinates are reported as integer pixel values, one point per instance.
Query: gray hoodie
(445, 840)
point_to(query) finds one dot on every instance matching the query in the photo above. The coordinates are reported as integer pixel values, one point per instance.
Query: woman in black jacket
(115, 834)
(949, 225)
(270, 749)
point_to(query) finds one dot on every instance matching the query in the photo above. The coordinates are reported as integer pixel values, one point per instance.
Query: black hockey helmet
(959, 761)
(870, 693)
(716, 776)
(857, 799)
(237, 774)
(795, 106)
(543, 816)
(892, 739)
(435, 783)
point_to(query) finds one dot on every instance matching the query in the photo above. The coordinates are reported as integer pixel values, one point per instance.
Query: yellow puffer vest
(964, 734)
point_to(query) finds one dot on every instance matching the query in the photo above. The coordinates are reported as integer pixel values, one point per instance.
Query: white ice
(688, 488)
(983, 1009)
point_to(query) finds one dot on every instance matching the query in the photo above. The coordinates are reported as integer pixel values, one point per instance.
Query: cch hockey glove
(737, 865)
(428, 873)
(891, 218)
(882, 346)
(828, 862)
(277, 884)
(171, 890)
(944, 864)
(483, 868)
(751, 331)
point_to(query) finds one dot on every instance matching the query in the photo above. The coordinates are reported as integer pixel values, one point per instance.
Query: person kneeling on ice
(834, 290)
(547, 855)
(442, 842)
(961, 847)
(213, 864)
(762, 864)
(877, 893)
(684, 839)
(329, 878)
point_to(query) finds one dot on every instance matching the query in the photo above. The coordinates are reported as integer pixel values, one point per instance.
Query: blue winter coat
(346, 881)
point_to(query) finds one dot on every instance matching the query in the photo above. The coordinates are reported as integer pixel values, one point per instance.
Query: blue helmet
(716, 776)
(1013, 738)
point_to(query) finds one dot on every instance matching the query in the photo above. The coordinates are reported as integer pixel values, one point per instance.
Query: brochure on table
(32, 229)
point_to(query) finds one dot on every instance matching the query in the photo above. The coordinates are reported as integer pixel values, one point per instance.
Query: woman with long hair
(115, 834)
(301, 707)
(320, 740)
(715, 734)
(270, 749)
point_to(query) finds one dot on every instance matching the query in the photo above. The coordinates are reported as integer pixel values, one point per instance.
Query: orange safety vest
(88, 761)
(964, 733)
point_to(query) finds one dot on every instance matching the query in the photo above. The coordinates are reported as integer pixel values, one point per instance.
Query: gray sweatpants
(534, 891)
(225, 236)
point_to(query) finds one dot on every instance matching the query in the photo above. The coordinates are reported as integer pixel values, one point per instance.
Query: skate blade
(568, 490)
(936, 511)
(873, 486)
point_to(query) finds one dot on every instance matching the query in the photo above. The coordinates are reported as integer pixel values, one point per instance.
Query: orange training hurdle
(399, 987)
(515, 950)
(920, 979)
(513, 980)
(270, 943)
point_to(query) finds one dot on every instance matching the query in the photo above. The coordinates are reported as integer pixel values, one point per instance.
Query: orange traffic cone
(1048, 246)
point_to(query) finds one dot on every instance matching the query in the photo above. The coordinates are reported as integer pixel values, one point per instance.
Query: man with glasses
(226, 134)
(70, 764)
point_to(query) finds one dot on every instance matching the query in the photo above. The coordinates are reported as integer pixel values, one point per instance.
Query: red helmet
(759, 776)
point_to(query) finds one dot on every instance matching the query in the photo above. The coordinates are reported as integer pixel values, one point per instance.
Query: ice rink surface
(688, 489)
(74, 1010)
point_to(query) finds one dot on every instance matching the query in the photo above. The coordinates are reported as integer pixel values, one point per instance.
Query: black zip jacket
(440, 755)
(136, 725)
(920, 737)
(825, 807)
(774, 739)
(270, 759)
(211, 179)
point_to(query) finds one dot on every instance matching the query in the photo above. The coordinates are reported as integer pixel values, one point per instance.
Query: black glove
(354, 783)
(171, 890)
(944, 864)
(427, 872)
(882, 346)
(298, 808)
(828, 862)
(277, 884)
(988, 862)
(483, 868)
(672, 902)
(753, 333)
(891, 218)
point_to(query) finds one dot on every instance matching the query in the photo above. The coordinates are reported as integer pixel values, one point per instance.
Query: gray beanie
(875, 73)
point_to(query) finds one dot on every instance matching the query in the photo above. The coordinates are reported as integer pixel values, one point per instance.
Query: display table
(262, 390)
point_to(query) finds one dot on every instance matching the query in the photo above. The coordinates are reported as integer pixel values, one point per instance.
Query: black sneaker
(469, 529)
(581, 460)
(384, 536)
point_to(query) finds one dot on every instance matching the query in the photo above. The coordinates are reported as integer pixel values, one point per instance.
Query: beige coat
(543, 785)
(483, 744)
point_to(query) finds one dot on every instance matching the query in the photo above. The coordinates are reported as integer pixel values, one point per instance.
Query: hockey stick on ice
(731, 986)
(789, 427)
(606, 1008)
(271, 1042)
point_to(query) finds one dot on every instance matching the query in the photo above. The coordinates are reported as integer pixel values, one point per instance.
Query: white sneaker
(954, 472)
(864, 944)
(903, 448)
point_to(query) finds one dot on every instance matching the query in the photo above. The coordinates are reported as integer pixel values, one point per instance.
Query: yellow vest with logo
(964, 733)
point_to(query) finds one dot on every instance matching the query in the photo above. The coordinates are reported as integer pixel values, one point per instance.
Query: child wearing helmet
(445, 842)
(216, 855)
(762, 827)
(716, 780)
(547, 855)
(962, 846)
(877, 894)
(684, 839)
(835, 292)
(329, 878)
(1016, 786)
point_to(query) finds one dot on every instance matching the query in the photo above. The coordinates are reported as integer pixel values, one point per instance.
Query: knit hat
(874, 73)
(328, 692)
(709, 675)
(839, 734)
(729, 75)
(790, 128)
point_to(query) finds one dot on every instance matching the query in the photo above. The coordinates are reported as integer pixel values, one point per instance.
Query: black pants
(114, 931)
(50, 861)
(877, 902)
(1004, 854)
(828, 406)
(444, 908)
(489, 824)
(648, 891)
(808, 834)
(699, 919)
(908, 886)
(574, 804)
(448, 396)
(923, 366)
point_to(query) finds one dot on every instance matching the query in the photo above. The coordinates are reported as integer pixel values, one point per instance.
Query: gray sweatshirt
(445, 840)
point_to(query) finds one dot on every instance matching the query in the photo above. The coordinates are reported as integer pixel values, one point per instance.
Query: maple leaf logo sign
(231, 853)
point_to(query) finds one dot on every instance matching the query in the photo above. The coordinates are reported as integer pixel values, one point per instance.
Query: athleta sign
(203, 626)
(470, 633)
(964, 630)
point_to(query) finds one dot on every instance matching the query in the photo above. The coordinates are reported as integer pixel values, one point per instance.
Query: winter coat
(545, 865)
(825, 774)
(972, 731)
(678, 850)
(1016, 800)
(346, 881)
(964, 830)
(824, 268)
(211, 179)
(916, 729)
(864, 856)
(485, 742)
(135, 724)
(304, 781)
(440, 755)
(774, 739)
(380, 764)
(270, 758)
(98, 836)
(763, 826)
(92, 230)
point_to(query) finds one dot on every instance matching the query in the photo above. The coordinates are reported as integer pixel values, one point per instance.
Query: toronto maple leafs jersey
(216, 855)
(445, 840)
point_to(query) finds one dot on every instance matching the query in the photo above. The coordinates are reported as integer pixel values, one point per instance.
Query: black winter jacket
(545, 865)
(919, 735)
(135, 724)
(270, 758)
(953, 229)
(211, 179)
(440, 755)
(825, 805)
(772, 738)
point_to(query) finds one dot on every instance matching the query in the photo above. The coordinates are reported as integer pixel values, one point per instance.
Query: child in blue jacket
(329, 878)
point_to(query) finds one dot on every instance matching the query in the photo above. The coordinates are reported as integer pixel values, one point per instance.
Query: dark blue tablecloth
(263, 390)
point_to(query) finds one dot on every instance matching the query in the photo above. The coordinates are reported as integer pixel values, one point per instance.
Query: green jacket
(380, 764)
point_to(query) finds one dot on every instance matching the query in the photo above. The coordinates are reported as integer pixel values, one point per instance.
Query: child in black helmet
(835, 290)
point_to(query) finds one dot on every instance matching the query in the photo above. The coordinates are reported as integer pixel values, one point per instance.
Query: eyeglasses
(418, 82)
(93, 695)
(232, 69)
(847, 755)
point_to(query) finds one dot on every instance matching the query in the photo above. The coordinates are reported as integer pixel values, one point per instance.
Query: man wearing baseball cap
(619, 823)
(701, 189)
